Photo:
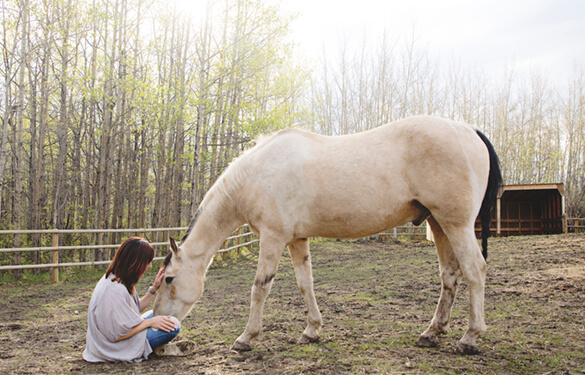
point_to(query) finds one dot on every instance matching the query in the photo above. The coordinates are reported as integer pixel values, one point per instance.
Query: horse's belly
(337, 230)
(355, 224)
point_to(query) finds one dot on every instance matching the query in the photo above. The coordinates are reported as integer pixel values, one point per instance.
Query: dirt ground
(376, 298)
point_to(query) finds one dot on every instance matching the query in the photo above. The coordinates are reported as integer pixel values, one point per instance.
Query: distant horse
(296, 184)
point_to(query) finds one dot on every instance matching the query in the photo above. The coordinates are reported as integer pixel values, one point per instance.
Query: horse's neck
(215, 222)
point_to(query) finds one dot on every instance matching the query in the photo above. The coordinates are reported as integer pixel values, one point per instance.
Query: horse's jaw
(169, 302)
(175, 308)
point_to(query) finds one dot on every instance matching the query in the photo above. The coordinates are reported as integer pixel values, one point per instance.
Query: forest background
(122, 113)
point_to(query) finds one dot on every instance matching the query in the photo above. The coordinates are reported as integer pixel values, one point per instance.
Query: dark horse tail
(491, 193)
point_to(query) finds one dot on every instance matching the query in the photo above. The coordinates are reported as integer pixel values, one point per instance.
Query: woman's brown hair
(131, 261)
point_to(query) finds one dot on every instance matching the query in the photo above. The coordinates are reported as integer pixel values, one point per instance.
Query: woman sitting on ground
(115, 329)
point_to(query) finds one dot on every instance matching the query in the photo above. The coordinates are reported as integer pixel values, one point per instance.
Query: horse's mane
(229, 183)
(237, 172)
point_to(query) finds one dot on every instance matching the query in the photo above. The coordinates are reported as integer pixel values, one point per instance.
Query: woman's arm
(164, 323)
(145, 301)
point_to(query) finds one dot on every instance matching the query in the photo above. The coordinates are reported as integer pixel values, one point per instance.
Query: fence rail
(234, 242)
(55, 248)
(409, 232)
(575, 225)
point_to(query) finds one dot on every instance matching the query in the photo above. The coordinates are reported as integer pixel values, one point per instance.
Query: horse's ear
(174, 247)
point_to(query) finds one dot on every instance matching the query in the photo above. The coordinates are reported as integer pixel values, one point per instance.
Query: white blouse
(113, 312)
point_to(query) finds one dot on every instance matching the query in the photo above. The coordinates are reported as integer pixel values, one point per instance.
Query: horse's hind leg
(270, 252)
(465, 250)
(301, 258)
(474, 270)
(450, 275)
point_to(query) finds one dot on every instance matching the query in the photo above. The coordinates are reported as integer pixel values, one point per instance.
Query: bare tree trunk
(8, 58)
(217, 124)
(131, 154)
(42, 194)
(144, 167)
(60, 186)
(34, 204)
(119, 164)
(201, 177)
(165, 70)
(574, 163)
(92, 175)
(18, 161)
(105, 158)
(177, 187)
(202, 110)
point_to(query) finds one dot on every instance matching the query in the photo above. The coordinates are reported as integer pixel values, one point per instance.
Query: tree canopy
(122, 113)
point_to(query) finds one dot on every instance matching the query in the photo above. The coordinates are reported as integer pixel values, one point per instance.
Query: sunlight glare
(194, 9)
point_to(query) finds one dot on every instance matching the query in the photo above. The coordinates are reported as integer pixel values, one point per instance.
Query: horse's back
(358, 184)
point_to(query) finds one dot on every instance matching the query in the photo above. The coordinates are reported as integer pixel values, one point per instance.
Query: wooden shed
(528, 210)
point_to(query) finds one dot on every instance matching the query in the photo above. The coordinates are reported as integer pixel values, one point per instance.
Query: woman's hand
(164, 323)
(158, 279)
(145, 301)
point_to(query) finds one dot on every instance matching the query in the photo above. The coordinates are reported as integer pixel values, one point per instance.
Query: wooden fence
(407, 232)
(574, 225)
(241, 238)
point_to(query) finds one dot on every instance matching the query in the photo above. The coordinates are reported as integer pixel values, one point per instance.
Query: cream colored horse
(297, 185)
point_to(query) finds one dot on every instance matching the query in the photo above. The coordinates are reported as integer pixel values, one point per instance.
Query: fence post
(498, 217)
(56, 257)
(239, 240)
(99, 253)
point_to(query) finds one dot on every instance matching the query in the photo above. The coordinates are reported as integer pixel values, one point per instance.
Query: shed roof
(530, 192)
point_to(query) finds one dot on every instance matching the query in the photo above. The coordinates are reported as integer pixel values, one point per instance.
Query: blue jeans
(157, 337)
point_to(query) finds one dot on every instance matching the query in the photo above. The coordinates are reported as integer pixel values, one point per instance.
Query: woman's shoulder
(111, 286)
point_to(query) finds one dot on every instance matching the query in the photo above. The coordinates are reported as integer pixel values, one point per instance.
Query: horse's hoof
(467, 349)
(176, 349)
(241, 347)
(307, 340)
(427, 341)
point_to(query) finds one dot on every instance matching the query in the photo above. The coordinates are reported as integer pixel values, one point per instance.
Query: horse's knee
(450, 278)
(264, 281)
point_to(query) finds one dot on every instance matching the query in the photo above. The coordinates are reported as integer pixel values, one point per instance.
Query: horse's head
(182, 284)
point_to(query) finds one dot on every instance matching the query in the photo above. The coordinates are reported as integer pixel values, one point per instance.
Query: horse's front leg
(270, 252)
(301, 258)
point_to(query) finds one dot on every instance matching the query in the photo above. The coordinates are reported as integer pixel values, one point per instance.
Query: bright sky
(542, 35)
(545, 35)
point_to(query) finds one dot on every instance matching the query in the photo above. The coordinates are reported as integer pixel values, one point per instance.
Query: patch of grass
(27, 277)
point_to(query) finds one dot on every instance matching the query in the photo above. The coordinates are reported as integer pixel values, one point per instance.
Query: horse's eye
(169, 279)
